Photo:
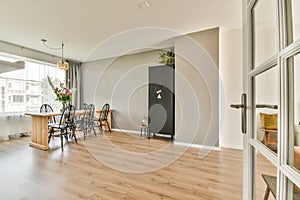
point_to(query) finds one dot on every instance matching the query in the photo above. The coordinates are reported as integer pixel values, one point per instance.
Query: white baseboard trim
(232, 147)
(126, 131)
(198, 146)
(138, 132)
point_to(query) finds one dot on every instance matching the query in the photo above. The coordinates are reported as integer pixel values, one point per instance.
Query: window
(27, 89)
(18, 98)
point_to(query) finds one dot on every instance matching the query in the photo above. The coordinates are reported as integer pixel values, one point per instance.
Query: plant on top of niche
(167, 57)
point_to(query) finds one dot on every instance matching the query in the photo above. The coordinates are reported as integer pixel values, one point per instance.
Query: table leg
(39, 132)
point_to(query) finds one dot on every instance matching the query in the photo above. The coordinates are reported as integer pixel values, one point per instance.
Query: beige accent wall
(197, 113)
(121, 82)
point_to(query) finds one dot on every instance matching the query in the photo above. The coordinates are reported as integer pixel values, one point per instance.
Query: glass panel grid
(293, 65)
(266, 105)
(264, 31)
(296, 19)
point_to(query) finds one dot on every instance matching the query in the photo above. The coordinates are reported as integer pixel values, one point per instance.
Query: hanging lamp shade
(62, 64)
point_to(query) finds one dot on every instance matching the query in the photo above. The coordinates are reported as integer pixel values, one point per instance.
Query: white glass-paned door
(272, 85)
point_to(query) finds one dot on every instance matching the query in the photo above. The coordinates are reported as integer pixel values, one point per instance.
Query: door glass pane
(293, 192)
(294, 133)
(266, 113)
(265, 33)
(265, 174)
(296, 19)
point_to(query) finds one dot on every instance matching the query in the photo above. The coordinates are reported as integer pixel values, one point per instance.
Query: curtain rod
(29, 49)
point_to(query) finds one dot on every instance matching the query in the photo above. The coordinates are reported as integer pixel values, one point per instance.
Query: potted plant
(167, 57)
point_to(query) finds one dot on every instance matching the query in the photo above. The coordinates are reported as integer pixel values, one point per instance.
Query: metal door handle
(266, 106)
(243, 106)
(237, 106)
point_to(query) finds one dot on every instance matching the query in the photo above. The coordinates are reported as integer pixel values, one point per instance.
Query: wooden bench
(271, 186)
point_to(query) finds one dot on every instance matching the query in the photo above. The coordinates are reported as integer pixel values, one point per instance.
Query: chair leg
(50, 135)
(84, 132)
(94, 131)
(92, 125)
(108, 125)
(75, 137)
(73, 134)
(100, 125)
(62, 141)
(100, 128)
(148, 133)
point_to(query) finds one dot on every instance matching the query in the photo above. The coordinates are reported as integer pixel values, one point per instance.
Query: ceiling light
(144, 5)
(62, 64)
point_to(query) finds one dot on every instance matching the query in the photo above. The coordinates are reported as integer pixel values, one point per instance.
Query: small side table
(145, 130)
(267, 140)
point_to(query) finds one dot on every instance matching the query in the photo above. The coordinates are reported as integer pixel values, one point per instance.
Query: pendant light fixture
(62, 64)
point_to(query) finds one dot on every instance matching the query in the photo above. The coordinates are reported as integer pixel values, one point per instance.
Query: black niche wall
(161, 104)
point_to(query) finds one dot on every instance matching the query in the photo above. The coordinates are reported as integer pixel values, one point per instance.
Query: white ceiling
(83, 24)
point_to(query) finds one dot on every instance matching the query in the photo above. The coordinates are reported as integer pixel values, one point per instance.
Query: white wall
(231, 74)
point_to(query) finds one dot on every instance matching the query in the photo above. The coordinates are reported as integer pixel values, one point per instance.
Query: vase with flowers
(63, 94)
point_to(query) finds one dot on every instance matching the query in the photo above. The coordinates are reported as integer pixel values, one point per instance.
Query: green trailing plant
(167, 57)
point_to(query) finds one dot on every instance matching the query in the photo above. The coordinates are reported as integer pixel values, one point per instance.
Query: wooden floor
(82, 172)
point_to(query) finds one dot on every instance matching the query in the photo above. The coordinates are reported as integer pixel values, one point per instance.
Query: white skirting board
(126, 131)
(198, 146)
(232, 147)
(175, 143)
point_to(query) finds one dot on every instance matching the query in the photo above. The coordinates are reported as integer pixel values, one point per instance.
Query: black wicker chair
(65, 126)
(46, 108)
(103, 120)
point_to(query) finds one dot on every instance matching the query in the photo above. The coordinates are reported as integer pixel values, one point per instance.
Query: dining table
(40, 130)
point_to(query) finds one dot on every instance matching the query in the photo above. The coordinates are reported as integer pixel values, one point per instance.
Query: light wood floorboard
(79, 173)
